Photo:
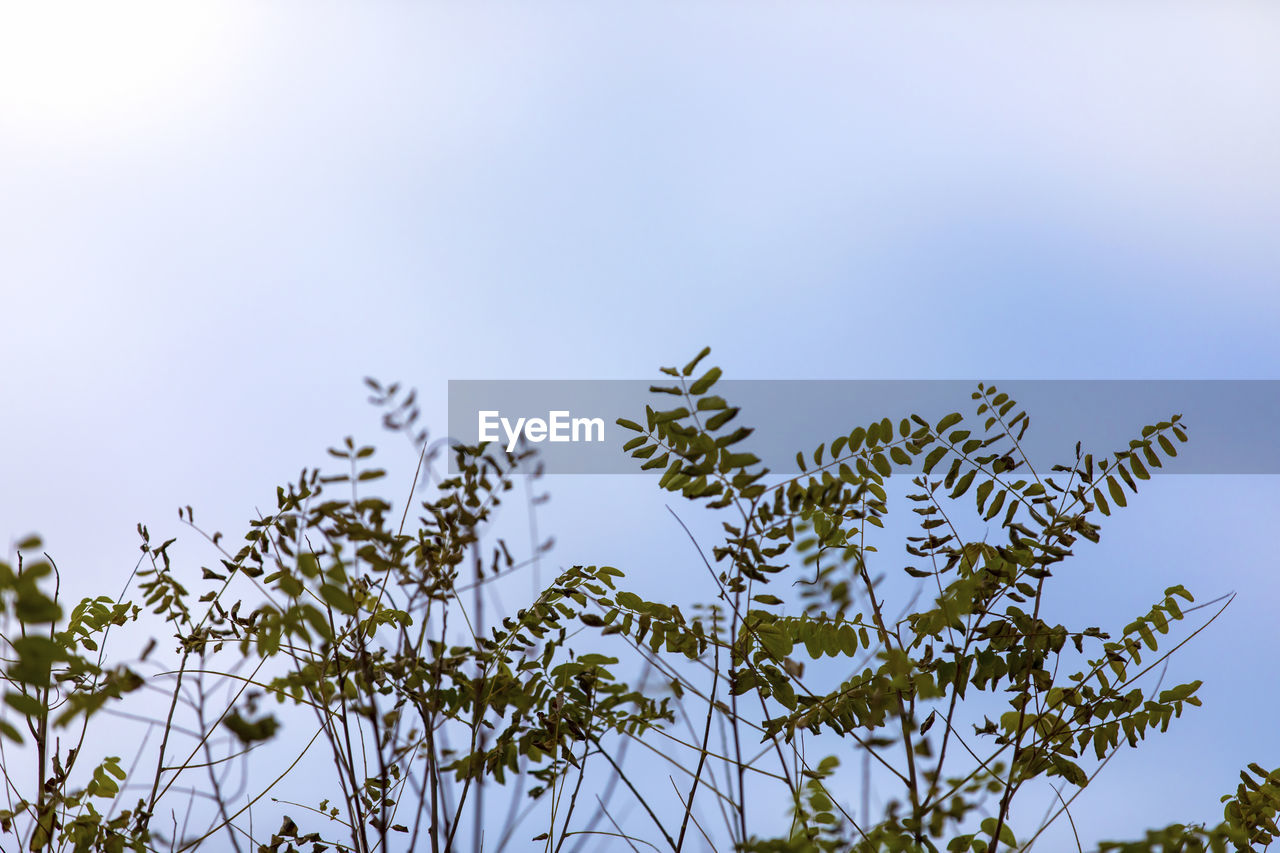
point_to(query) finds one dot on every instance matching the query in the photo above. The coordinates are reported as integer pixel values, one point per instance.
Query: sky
(216, 219)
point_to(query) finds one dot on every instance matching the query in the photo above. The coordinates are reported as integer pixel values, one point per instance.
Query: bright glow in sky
(70, 68)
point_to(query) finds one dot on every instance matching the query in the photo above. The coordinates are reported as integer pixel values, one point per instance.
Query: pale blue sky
(214, 222)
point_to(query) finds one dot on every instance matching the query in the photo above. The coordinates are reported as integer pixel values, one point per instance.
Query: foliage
(353, 623)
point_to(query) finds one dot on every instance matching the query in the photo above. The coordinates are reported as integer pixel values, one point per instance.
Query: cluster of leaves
(340, 623)
(984, 632)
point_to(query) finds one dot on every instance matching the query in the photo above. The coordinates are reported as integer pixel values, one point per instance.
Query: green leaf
(947, 422)
(1101, 502)
(1139, 470)
(27, 706)
(962, 485)
(705, 382)
(36, 657)
(337, 598)
(984, 489)
(1006, 832)
(251, 731)
(290, 585)
(784, 693)
(1128, 480)
(720, 419)
(994, 509)
(670, 415)
(777, 643)
(34, 607)
(1117, 493)
(693, 365)
(873, 434)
